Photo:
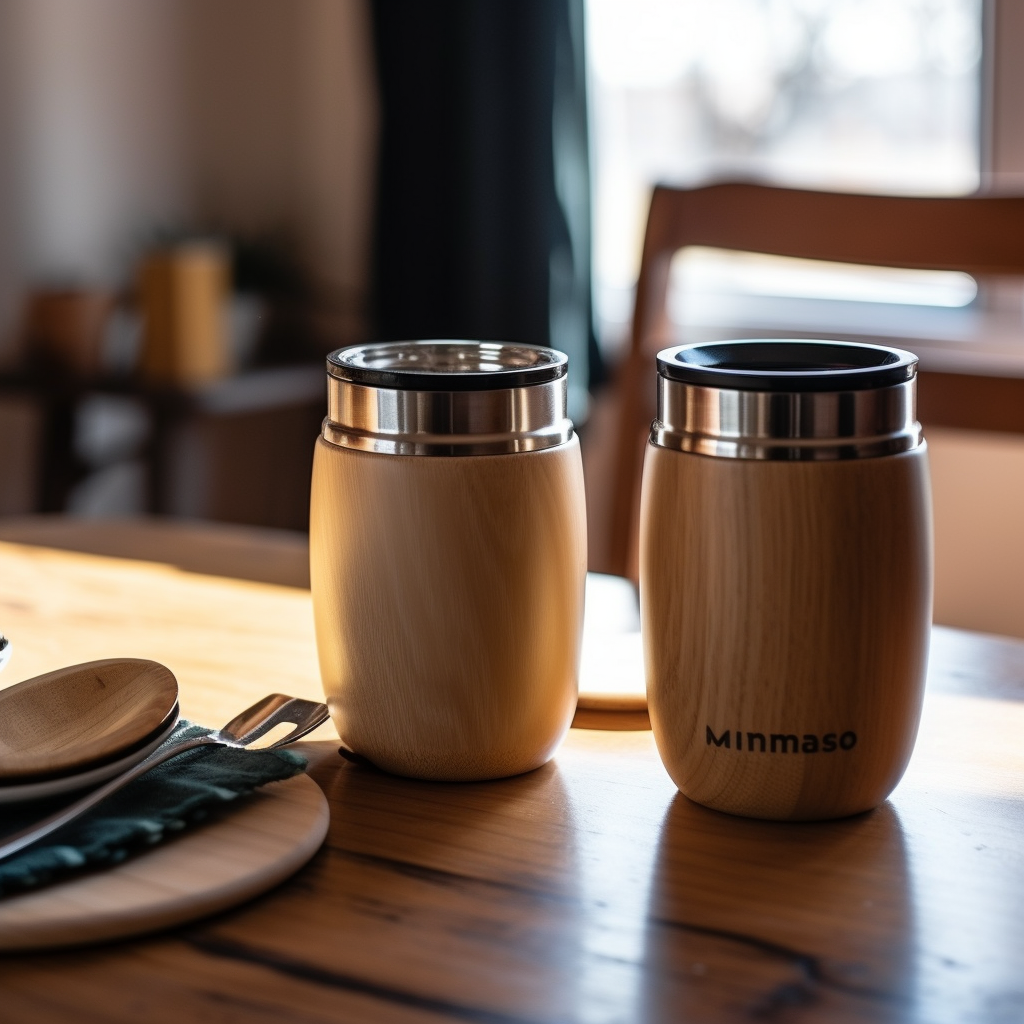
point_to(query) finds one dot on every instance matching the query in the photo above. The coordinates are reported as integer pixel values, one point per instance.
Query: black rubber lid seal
(447, 365)
(787, 365)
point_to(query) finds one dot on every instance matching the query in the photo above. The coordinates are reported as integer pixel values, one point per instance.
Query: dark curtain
(483, 206)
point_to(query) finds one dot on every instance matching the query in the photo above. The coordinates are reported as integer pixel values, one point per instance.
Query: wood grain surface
(588, 890)
(786, 610)
(448, 596)
(81, 716)
(611, 673)
(228, 860)
(213, 549)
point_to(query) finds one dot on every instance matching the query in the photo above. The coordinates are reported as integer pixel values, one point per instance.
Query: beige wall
(283, 122)
(96, 128)
(9, 272)
(125, 117)
(89, 139)
(978, 489)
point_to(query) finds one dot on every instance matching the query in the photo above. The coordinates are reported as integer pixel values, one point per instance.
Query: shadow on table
(779, 920)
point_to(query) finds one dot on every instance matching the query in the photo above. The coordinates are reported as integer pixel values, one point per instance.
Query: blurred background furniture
(960, 386)
(238, 449)
(21, 444)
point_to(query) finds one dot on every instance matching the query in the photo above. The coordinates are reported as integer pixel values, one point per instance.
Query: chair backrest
(977, 234)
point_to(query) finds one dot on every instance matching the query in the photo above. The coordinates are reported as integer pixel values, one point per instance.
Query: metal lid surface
(447, 365)
(446, 398)
(787, 365)
(788, 400)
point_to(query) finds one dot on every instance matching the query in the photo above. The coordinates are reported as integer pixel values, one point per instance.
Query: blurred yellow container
(184, 293)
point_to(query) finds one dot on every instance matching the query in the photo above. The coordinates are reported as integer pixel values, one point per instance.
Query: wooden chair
(981, 235)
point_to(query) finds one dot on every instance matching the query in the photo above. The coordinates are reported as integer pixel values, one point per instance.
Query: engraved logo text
(781, 742)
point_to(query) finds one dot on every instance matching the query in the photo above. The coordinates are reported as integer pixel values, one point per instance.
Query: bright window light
(723, 272)
(856, 95)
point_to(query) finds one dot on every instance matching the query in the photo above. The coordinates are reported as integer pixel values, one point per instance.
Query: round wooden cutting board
(213, 867)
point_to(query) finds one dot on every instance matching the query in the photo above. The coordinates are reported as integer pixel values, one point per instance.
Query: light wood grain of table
(588, 890)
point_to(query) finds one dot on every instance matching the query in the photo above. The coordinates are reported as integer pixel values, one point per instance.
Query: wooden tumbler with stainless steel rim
(786, 574)
(448, 556)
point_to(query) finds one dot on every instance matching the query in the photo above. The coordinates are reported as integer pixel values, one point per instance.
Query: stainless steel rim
(438, 423)
(446, 398)
(445, 365)
(796, 426)
(787, 365)
(786, 399)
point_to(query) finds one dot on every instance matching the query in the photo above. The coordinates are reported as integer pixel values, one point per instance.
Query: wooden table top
(588, 890)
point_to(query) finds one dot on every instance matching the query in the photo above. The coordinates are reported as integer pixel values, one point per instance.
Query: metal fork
(241, 731)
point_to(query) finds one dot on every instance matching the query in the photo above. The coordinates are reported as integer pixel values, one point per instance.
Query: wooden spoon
(65, 721)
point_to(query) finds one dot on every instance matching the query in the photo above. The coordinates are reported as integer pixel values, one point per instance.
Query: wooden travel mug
(786, 574)
(448, 556)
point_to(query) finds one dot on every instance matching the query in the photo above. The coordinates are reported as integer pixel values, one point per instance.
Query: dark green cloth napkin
(164, 801)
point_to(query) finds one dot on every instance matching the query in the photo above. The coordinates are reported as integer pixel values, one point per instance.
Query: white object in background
(5, 651)
(612, 662)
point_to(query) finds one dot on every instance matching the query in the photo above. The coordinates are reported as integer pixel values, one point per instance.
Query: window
(879, 95)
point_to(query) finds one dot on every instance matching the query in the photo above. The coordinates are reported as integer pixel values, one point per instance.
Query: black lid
(447, 365)
(767, 364)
